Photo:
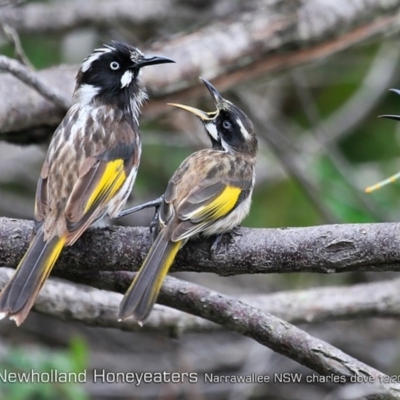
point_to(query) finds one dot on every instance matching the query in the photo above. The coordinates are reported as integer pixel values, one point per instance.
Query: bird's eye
(114, 65)
(226, 124)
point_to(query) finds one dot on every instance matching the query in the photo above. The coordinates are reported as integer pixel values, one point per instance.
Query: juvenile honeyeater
(209, 194)
(89, 169)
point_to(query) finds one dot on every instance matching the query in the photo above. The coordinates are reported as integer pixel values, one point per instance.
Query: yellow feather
(164, 268)
(111, 181)
(221, 206)
(143, 291)
(55, 253)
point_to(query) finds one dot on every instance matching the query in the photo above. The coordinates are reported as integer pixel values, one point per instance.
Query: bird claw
(223, 240)
(154, 222)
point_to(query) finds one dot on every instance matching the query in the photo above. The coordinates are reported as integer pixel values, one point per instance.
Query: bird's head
(110, 75)
(228, 127)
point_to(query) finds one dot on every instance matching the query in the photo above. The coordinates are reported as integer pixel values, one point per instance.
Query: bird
(209, 194)
(89, 169)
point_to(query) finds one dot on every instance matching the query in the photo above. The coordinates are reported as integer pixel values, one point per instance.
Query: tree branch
(30, 78)
(333, 152)
(56, 18)
(280, 336)
(96, 307)
(342, 241)
(322, 249)
(99, 308)
(274, 333)
(289, 159)
(15, 41)
(244, 319)
(341, 122)
(302, 32)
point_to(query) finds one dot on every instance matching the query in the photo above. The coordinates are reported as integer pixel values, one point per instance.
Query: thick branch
(24, 108)
(279, 335)
(99, 307)
(29, 77)
(57, 18)
(266, 329)
(229, 312)
(322, 249)
(283, 35)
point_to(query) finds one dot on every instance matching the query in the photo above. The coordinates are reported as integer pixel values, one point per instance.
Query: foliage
(47, 364)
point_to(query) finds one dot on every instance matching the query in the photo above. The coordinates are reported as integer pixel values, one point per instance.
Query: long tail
(18, 296)
(142, 294)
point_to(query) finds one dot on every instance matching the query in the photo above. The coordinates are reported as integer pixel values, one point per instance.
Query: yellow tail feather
(142, 294)
(18, 296)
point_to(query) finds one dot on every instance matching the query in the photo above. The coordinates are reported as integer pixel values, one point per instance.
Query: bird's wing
(41, 203)
(100, 178)
(207, 202)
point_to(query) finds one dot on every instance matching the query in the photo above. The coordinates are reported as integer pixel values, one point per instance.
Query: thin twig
(380, 76)
(276, 140)
(31, 79)
(13, 37)
(340, 163)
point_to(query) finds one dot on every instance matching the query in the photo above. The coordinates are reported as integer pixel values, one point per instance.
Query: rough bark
(281, 35)
(322, 249)
(95, 307)
(276, 334)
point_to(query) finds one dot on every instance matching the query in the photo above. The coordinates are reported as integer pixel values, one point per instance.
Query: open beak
(152, 60)
(218, 99)
(204, 116)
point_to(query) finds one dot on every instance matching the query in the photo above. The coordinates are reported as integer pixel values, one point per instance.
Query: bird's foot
(223, 240)
(153, 203)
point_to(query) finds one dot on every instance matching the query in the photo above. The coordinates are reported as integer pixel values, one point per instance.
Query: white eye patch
(243, 130)
(126, 78)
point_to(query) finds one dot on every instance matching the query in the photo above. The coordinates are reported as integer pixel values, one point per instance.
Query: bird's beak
(204, 116)
(218, 99)
(152, 60)
(395, 117)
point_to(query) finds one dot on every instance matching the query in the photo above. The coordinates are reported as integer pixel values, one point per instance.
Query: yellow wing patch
(220, 206)
(111, 181)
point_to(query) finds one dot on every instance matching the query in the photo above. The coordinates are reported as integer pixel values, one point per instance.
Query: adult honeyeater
(209, 194)
(90, 166)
